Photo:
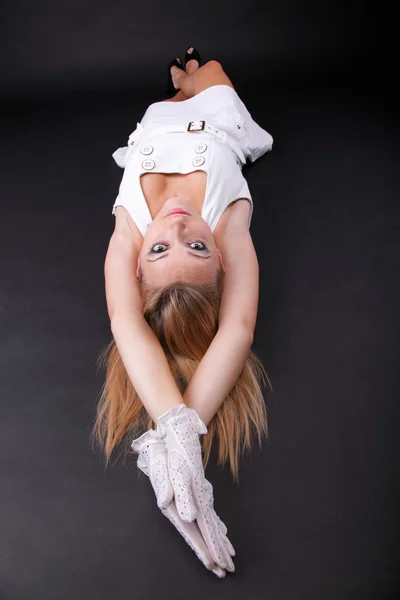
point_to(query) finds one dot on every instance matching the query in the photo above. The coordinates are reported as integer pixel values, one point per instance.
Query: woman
(180, 362)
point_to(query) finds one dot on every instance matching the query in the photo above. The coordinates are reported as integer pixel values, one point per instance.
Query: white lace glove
(181, 426)
(152, 461)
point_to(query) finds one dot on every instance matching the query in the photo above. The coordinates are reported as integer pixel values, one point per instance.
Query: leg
(206, 76)
(179, 97)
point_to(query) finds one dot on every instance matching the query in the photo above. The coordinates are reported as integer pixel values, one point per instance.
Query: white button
(148, 164)
(200, 148)
(198, 161)
(146, 149)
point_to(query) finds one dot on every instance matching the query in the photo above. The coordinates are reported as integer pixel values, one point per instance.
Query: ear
(220, 258)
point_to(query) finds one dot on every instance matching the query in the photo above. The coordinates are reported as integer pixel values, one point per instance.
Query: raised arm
(218, 371)
(138, 346)
(226, 357)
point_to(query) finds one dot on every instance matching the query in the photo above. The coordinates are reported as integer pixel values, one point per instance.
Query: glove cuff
(179, 412)
(172, 412)
(149, 436)
(142, 445)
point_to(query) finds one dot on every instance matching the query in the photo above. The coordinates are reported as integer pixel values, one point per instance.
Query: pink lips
(177, 211)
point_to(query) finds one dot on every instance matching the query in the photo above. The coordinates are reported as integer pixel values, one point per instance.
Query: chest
(158, 187)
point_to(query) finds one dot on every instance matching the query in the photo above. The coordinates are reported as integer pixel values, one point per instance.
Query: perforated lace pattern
(193, 492)
(152, 461)
(173, 455)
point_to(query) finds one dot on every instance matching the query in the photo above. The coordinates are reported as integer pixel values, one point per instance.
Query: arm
(218, 371)
(121, 286)
(138, 346)
(221, 366)
(146, 363)
(239, 302)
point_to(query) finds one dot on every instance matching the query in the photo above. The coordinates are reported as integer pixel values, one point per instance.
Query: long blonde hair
(184, 318)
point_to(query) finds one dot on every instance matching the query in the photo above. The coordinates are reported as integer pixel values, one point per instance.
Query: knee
(213, 66)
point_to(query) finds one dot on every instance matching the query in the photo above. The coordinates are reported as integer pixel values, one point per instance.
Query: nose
(177, 228)
(178, 223)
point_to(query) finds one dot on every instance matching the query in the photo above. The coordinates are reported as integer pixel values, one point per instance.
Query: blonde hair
(184, 318)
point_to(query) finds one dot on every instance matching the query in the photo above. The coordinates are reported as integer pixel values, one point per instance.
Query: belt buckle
(196, 126)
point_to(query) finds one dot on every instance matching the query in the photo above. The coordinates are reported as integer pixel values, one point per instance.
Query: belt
(122, 155)
(190, 127)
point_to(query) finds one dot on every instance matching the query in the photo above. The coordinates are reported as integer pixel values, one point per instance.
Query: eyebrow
(165, 254)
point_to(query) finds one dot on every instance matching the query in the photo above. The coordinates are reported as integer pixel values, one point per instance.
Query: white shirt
(182, 152)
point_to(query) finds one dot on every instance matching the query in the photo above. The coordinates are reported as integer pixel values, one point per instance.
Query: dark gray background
(315, 514)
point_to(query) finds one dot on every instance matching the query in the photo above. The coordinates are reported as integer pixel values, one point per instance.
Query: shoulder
(125, 224)
(238, 213)
(235, 218)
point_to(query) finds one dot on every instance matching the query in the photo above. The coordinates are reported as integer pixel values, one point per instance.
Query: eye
(198, 243)
(153, 249)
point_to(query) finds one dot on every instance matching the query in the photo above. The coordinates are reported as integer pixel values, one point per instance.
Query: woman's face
(178, 247)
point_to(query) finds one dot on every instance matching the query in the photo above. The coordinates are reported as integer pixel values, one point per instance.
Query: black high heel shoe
(170, 89)
(192, 56)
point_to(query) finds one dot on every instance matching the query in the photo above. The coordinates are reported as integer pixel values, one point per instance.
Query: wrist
(181, 418)
(170, 413)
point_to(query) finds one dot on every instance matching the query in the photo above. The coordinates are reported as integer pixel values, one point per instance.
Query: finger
(228, 545)
(181, 479)
(223, 530)
(215, 543)
(160, 481)
(229, 550)
(213, 528)
(218, 550)
(191, 534)
(222, 527)
(219, 572)
(207, 521)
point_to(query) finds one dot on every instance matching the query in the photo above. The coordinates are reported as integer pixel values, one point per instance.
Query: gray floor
(314, 515)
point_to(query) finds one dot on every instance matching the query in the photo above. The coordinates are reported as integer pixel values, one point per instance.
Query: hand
(153, 462)
(193, 493)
